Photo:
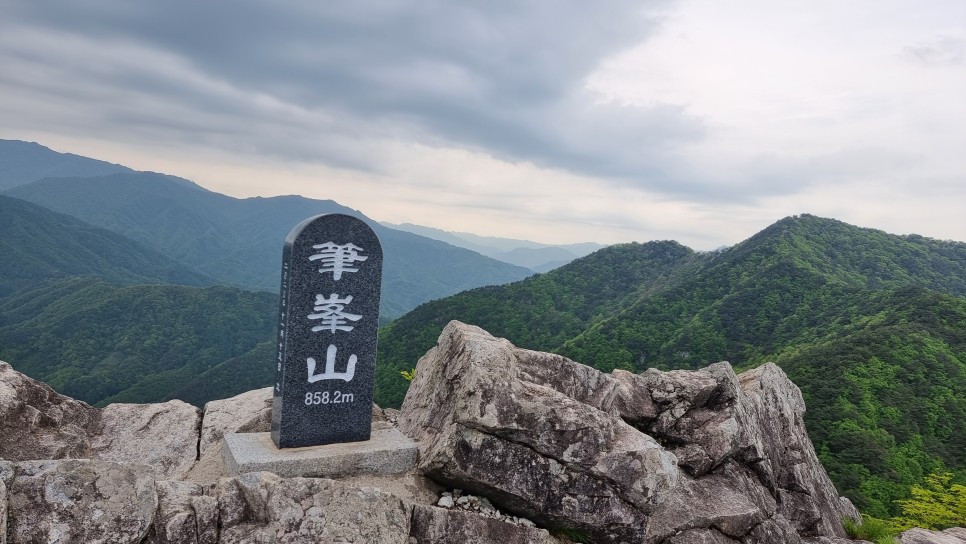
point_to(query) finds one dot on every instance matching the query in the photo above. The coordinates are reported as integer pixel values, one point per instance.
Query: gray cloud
(502, 77)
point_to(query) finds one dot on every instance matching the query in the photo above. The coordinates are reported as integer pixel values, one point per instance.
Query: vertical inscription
(328, 319)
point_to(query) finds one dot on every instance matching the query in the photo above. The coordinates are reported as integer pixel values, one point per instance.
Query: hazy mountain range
(234, 241)
(533, 255)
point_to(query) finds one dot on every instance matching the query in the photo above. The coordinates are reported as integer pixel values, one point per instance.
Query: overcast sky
(559, 121)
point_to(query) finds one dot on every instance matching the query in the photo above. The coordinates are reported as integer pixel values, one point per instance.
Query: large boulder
(261, 507)
(784, 457)
(620, 457)
(164, 436)
(491, 419)
(956, 535)
(249, 412)
(36, 422)
(186, 514)
(81, 501)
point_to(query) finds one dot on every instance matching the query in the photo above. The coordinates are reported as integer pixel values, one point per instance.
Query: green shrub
(871, 529)
(939, 504)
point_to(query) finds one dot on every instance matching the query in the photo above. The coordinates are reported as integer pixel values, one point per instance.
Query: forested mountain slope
(540, 312)
(806, 292)
(102, 342)
(38, 245)
(74, 312)
(239, 241)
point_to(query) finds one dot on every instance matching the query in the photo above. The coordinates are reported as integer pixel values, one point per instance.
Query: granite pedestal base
(388, 451)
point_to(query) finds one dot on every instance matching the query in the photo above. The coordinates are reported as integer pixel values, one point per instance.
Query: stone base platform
(388, 451)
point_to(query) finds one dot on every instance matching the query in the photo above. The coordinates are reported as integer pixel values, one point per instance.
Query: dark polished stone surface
(328, 319)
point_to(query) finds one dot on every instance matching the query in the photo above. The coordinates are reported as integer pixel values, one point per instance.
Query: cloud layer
(564, 120)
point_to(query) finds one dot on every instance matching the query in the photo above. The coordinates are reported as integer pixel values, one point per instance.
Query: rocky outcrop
(249, 412)
(956, 535)
(38, 423)
(96, 502)
(163, 436)
(485, 424)
(546, 449)
(621, 457)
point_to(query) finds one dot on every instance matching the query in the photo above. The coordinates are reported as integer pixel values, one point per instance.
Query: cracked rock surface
(681, 456)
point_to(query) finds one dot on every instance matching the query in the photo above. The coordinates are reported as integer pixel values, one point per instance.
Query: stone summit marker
(325, 366)
(327, 324)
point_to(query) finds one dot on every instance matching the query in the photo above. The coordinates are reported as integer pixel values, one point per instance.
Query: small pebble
(480, 505)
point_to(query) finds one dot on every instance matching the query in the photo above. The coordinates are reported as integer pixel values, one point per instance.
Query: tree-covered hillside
(541, 312)
(239, 241)
(102, 342)
(38, 245)
(808, 293)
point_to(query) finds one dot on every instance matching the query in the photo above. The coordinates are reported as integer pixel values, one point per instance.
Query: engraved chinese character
(337, 259)
(332, 314)
(329, 373)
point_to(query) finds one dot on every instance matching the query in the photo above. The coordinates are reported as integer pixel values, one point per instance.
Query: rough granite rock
(787, 461)
(729, 500)
(567, 446)
(776, 529)
(3, 512)
(848, 510)
(261, 507)
(7, 469)
(164, 436)
(698, 412)
(484, 426)
(700, 536)
(249, 412)
(432, 525)
(81, 501)
(186, 515)
(956, 535)
(832, 540)
(38, 423)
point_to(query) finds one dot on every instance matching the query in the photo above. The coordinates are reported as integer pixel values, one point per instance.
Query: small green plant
(872, 529)
(408, 374)
(938, 504)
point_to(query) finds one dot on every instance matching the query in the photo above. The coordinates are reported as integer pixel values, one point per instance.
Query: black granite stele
(328, 318)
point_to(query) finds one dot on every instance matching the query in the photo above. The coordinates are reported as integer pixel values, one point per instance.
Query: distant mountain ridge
(871, 326)
(39, 245)
(72, 314)
(24, 162)
(236, 241)
(533, 255)
(239, 241)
